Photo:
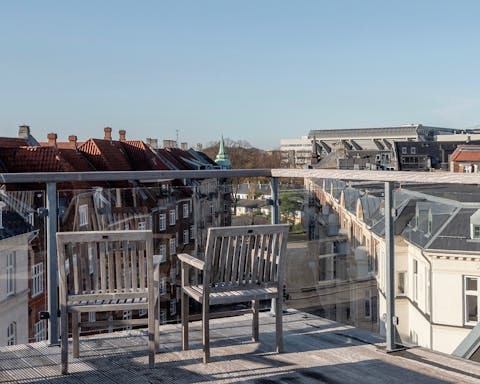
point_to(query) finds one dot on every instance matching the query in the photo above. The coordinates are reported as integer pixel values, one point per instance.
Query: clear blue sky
(253, 70)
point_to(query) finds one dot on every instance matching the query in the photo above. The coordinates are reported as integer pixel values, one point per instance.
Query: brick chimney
(108, 133)
(122, 133)
(72, 139)
(23, 131)
(52, 139)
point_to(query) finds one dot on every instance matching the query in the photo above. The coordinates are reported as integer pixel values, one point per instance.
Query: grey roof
(413, 130)
(463, 193)
(456, 235)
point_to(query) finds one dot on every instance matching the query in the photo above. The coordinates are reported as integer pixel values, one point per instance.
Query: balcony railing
(362, 248)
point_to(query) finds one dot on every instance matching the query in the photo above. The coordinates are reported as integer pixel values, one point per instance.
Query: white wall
(14, 308)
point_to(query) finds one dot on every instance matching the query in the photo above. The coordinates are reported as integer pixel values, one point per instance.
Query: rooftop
(316, 351)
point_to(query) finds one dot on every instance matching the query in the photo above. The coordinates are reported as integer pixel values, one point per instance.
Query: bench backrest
(104, 262)
(245, 256)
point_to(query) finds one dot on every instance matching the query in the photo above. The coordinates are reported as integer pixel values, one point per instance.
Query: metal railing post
(274, 220)
(275, 197)
(52, 268)
(390, 268)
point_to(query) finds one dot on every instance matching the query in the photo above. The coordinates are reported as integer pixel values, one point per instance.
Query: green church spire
(222, 157)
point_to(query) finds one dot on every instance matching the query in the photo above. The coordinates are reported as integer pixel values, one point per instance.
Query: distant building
(296, 153)
(465, 159)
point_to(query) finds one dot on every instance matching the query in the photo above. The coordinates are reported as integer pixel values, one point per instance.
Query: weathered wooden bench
(106, 271)
(242, 264)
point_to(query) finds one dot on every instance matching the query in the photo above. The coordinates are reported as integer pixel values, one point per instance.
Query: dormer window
(475, 225)
(429, 224)
(475, 231)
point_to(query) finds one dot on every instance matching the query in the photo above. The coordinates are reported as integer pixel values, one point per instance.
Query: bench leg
(76, 333)
(255, 320)
(185, 316)
(64, 339)
(151, 335)
(206, 331)
(278, 324)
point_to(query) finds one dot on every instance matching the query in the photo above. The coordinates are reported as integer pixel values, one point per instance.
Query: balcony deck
(316, 351)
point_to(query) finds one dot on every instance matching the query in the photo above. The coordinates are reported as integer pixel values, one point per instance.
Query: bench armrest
(190, 260)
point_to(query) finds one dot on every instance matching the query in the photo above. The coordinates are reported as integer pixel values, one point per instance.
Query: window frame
(12, 333)
(10, 272)
(467, 292)
(40, 330)
(162, 222)
(83, 215)
(37, 279)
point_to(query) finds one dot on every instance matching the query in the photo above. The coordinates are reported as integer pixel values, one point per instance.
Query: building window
(413, 150)
(83, 213)
(401, 291)
(212, 209)
(92, 317)
(37, 279)
(173, 246)
(12, 334)
(173, 307)
(162, 222)
(172, 217)
(475, 231)
(186, 210)
(163, 286)
(368, 304)
(163, 316)
(31, 219)
(186, 237)
(404, 150)
(142, 225)
(415, 280)
(173, 275)
(192, 232)
(11, 273)
(40, 330)
(163, 252)
(471, 299)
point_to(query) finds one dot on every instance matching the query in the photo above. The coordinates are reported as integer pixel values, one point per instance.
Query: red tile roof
(106, 155)
(466, 153)
(12, 142)
(142, 157)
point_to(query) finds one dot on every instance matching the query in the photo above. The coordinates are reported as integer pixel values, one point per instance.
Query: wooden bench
(242, 263)
(106, 271)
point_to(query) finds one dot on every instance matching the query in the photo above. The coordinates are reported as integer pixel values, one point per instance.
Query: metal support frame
(275, 197)
(52, 268)
(390, 268)
(274, 220)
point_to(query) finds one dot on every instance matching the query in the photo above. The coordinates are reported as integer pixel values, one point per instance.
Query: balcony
(411, 281)
(317, 351)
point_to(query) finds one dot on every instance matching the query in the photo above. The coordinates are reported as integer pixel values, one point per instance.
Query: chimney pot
(108, 133)
(23, 131)
(52, 139)
(73, 140)
(122, 133)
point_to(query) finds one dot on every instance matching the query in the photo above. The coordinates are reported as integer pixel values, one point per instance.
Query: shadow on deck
(316, 351)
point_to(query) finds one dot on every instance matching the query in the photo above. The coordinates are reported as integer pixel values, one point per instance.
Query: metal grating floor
(316, 351)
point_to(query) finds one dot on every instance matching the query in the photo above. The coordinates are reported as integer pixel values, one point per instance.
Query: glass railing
(336, 259)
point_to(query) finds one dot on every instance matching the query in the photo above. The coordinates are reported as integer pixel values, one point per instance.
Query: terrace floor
(316, 351)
